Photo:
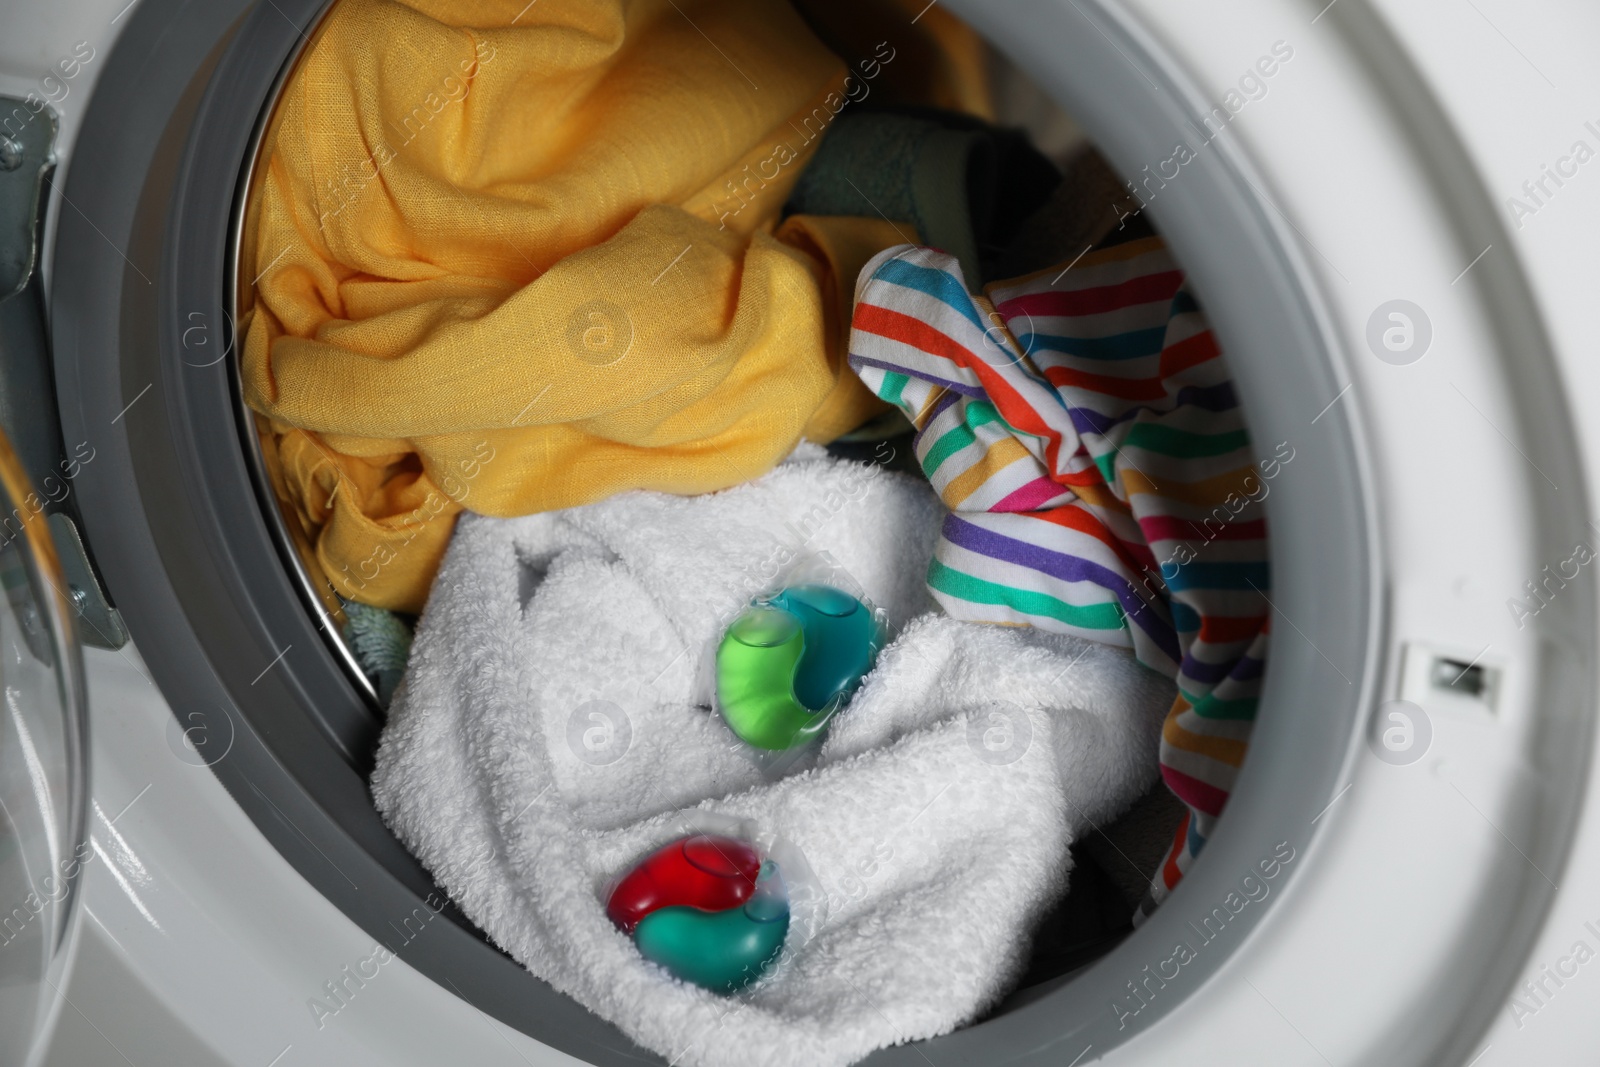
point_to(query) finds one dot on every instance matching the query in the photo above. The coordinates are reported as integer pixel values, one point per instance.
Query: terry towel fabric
(936, 819)
(1082, 428)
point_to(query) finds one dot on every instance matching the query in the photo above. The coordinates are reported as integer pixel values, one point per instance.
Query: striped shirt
(1081, 426)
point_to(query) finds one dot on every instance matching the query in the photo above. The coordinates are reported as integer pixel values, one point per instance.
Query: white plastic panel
(201, 944)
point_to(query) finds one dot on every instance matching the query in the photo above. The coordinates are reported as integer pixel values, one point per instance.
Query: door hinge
(28, 409)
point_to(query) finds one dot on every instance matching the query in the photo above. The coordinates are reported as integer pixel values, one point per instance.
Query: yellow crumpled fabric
(518, 257)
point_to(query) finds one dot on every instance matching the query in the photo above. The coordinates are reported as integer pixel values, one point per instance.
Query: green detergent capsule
(755, 667)
(782, 663)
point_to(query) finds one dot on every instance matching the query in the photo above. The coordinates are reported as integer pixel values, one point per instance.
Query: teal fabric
(965, 185)
(863, 167)
(381, 642)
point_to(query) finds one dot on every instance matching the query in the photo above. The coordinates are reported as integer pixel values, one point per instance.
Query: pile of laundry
(572, 320)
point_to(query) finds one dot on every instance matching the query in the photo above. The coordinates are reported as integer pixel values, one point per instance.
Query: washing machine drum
(183, 531)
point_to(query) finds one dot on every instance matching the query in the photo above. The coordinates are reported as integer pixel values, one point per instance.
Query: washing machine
(1387, 208)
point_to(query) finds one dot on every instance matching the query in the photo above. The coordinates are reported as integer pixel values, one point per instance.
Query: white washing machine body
(1437, 904)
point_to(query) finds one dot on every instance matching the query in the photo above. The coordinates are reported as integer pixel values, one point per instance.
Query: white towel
(935, 821)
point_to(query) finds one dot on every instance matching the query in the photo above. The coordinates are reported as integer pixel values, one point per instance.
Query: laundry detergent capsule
(784, 663)
(707, 908)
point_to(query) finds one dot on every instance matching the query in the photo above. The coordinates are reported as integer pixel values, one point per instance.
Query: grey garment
(907, 170)
(1131, 849)
(1090, 203)
(965, 185)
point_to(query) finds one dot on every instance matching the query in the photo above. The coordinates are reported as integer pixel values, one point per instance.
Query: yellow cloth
(517, 257)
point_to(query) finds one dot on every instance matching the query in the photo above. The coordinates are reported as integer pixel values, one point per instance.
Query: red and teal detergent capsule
(706, 908)
(784, 662)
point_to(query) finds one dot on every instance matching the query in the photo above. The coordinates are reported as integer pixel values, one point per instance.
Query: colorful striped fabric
(1081, 426)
